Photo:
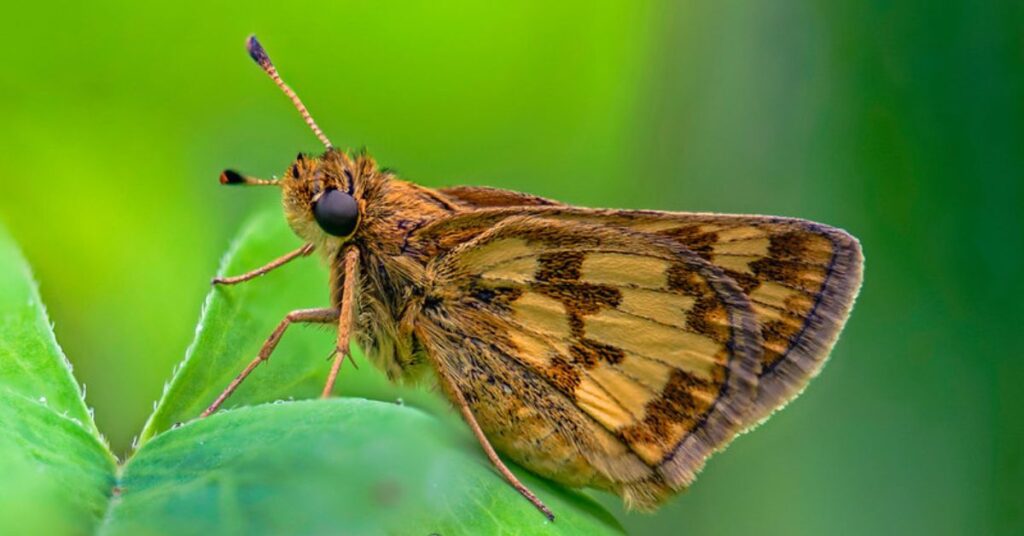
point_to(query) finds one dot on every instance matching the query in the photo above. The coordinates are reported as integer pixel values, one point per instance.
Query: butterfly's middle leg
(309, 316)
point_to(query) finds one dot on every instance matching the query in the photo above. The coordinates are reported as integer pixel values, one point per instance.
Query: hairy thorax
(393, 279)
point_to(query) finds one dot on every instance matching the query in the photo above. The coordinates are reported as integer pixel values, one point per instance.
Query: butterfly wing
(476, 197)
(801, 277)
(593, 354)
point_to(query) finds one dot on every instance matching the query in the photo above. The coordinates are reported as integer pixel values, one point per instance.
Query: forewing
(801, 277)
(651, 343)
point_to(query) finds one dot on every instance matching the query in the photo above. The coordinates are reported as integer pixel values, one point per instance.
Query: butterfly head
(320, 199)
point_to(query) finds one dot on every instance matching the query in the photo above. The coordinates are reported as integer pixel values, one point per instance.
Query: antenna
(229, 176)
(259, 55)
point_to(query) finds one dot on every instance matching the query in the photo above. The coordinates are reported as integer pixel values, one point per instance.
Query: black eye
(336, 212)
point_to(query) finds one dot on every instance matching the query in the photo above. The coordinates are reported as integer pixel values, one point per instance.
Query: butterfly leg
(315, 316)
(467, 414)
(276, 263)
(344, 318)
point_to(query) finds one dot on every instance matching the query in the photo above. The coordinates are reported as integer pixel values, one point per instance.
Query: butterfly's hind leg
(467, 414)
(274, 264)
(308, 316)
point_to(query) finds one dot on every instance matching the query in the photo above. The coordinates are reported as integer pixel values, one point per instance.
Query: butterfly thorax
(393, 280)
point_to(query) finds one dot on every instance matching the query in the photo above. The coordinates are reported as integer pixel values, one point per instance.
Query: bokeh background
(902, 122)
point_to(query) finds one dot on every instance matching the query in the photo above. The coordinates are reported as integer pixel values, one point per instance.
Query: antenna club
(257, 53)
(229, 176)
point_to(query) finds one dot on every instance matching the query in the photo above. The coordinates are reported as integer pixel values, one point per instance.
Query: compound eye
(336, 212)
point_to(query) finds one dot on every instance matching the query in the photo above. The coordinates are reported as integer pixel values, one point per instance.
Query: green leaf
(237, 319)
(340, 466)
(56, 471)
(31, 363)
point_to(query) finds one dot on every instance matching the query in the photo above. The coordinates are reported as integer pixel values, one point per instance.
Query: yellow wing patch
(625, 269)
(692, 352)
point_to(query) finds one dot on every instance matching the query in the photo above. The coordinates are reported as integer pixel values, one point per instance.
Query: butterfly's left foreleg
(276, 263)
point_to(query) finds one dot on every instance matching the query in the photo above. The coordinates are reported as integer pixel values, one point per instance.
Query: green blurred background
(902, 122)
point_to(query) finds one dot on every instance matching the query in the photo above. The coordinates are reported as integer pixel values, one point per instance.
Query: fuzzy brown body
(601, 348)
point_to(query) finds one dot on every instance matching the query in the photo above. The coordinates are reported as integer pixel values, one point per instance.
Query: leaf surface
(55, 469)
(339, 466)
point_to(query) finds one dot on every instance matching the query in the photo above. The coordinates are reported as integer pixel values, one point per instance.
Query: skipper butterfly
(613, 349)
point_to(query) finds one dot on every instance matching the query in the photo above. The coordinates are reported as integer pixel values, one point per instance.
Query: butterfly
(612, 349)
